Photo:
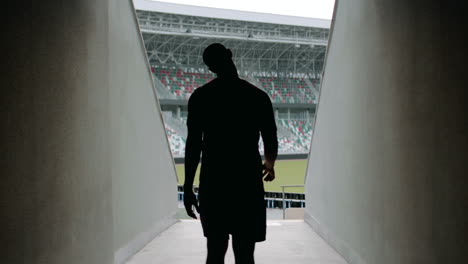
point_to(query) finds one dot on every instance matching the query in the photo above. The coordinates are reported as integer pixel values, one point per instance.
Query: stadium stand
(283, 57)
(302, 131)
(180, 82)
(176, 141)
(296, 141)
(287, 90)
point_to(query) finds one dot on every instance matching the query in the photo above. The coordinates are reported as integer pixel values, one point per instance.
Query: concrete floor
(289, 241)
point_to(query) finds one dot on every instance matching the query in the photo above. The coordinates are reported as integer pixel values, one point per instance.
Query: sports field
(288, 172)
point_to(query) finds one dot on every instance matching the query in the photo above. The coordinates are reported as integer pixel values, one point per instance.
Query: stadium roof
(191, 10)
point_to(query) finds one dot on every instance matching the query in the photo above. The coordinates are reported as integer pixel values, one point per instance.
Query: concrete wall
(55, 191)
(144, 183)
(386, 181)
(87, 175)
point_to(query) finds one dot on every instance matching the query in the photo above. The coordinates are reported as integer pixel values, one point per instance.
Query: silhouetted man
(225, 120)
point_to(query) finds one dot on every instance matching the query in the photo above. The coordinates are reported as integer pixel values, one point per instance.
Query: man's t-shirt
(227, 118)
(231, 114)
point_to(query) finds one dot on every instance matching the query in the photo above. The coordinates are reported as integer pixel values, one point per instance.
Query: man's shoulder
(257, 91)
(250, 90)
(205, 87)
(198, 92)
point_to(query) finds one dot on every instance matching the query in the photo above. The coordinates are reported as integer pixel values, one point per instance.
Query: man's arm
(192, 154)
(270, 139)
(192, 157)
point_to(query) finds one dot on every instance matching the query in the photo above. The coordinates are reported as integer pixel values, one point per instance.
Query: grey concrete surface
(144, 181)
(290, 241)
(387, 177)
(386, 181)
(85, 165)
(56, 187)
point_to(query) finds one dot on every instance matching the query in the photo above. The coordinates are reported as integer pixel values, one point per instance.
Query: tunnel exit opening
(282, 55)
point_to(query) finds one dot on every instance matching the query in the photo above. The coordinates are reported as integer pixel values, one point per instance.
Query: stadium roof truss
(179, 40)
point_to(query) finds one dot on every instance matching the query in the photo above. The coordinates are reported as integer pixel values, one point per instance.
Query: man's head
(218, 59)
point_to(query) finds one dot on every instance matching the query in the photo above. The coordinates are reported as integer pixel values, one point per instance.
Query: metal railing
(283, 187)
(180, 197)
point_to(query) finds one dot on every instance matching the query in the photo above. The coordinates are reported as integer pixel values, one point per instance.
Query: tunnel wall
(87, 174)
(144, 181)
(55, 192)
(386, 181)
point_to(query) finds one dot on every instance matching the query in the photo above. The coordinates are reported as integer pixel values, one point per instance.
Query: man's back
(231, 113)
(225, 120)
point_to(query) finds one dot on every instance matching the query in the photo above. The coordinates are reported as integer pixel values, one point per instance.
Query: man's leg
(217, 248)
(243, 250)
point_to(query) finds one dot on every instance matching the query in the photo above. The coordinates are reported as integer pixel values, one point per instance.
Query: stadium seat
(182, 83)
(298, 141)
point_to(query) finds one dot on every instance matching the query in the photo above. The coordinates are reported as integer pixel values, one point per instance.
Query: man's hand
(268, 172)
(190, 201)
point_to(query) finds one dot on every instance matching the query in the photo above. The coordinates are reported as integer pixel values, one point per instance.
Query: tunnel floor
(288, 241)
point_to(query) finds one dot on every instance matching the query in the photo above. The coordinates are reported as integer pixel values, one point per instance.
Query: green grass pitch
(288, 172)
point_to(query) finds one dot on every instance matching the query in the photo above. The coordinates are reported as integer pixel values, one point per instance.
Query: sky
(303, 8)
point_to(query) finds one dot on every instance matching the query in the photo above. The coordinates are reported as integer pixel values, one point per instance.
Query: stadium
(283, 55)
(91, 90)
(283, 59)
